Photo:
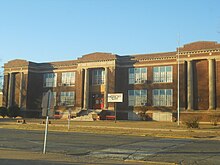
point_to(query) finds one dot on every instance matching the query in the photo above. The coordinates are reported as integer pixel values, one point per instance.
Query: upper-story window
(137, 75)
(98, 76)
(68, 78)
(163, 74)
(50, 80)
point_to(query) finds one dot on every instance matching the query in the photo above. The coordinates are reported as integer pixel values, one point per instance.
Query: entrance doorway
(97, 101)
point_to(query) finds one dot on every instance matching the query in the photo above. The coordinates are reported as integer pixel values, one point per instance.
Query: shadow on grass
(199, 137)
(211, 127)
(32, 162)
(8, 120)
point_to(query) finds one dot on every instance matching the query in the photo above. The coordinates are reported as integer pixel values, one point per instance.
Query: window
(50, 80)
(163, 74)
(98, 76)
(137, 75)
(67, 98)
(68, 78)
(137, 97)
(162, 97)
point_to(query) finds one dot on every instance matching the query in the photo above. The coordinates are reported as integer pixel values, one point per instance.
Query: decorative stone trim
(158, 58)
(199, 51)
(152, 64)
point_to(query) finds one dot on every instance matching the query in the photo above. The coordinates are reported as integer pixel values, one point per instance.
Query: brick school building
(148, 82)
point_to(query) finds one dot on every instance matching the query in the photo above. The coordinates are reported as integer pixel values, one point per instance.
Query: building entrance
(97, 101)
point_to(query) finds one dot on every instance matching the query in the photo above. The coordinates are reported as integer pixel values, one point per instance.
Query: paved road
(86, 148)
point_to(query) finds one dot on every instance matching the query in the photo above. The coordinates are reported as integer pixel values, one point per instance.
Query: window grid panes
(162, 97)
(68, 78)
(163, 74)
(137, 97)
(98, 76)
(137, 75)
(67, 98)
(50, 80)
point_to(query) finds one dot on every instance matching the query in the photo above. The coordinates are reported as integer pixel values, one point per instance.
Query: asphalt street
(87, 148)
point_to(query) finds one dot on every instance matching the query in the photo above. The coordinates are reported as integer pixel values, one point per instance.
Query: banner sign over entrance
(115, 97)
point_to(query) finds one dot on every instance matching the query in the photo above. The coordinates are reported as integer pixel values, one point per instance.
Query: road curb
(151, 162)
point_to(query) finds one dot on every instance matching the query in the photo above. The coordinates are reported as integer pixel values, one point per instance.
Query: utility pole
(1, 80)
(178, 82)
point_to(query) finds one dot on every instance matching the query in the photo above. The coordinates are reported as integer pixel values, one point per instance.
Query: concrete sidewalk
(21, 157)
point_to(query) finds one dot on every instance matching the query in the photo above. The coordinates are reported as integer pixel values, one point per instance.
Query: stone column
(10, 86)
(211, 84)
(86, 89)
(21, 89)
(190, 84)
(106, 89)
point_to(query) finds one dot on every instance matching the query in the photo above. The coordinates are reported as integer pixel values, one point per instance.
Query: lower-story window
(137, 97)
(162, 97)
(67, 98)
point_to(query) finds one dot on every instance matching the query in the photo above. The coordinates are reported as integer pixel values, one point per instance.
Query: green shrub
(3, 111)
(13, 111)
(192, 122)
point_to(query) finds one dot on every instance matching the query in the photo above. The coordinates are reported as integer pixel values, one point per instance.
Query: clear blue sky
(55, 30)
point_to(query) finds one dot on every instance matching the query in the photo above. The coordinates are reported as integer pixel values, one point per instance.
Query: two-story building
(149, 82)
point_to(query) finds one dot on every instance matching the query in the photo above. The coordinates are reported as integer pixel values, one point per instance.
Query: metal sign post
(115, 112)
(45, 136)
(69, 114)
(115, 98)
(47, 105)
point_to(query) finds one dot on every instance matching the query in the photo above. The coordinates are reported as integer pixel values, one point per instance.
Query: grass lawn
(136, 128)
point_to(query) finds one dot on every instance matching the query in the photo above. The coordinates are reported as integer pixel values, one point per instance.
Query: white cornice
(199, 51)
(147, 65)
(158, 58)
(200, 58)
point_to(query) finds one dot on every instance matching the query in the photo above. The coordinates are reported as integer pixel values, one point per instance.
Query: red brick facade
(23, 81)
